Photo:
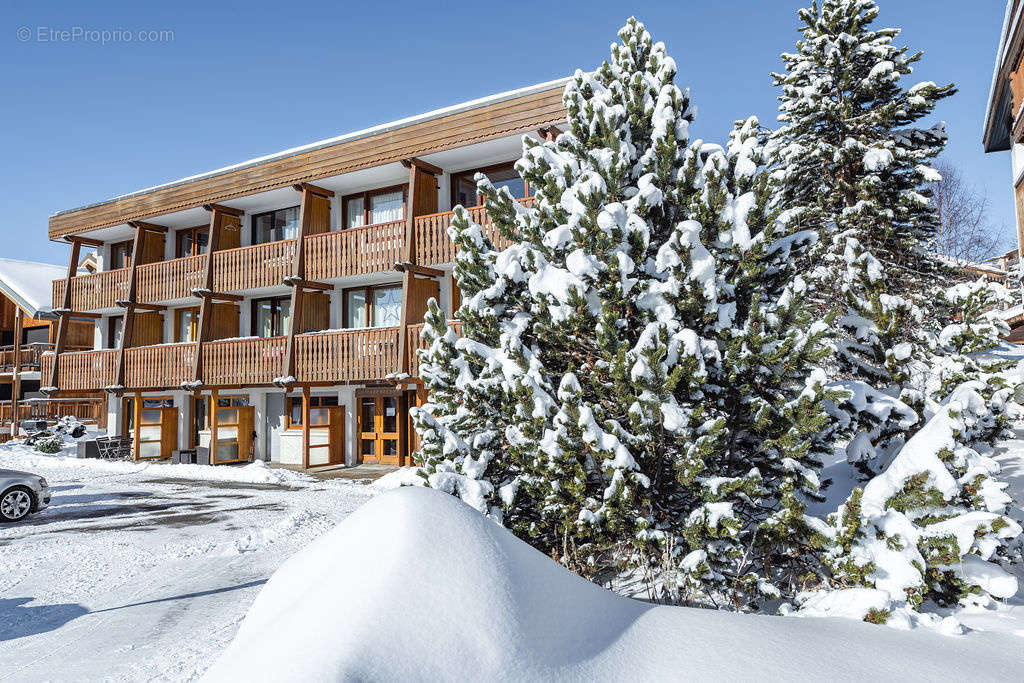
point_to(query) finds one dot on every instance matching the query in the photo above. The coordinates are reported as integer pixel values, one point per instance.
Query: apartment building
(27, 331)
(271, 310)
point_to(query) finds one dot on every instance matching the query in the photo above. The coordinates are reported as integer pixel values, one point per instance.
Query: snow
(416, 585)
(29, 283)
(142, 571)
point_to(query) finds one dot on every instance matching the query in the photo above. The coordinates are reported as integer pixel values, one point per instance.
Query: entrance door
(326, 436)
(233, 431)
(379, 430)
(153, 425)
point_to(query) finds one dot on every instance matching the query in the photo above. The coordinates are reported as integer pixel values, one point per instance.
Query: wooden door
(379, 430)
(168, 431)
(153, 426)
(246, 428)
(232, 434)
(336, 435)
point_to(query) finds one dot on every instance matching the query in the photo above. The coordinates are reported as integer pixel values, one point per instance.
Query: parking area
(135, 573)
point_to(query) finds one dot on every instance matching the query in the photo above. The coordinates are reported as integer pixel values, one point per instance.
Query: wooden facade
(185, 319)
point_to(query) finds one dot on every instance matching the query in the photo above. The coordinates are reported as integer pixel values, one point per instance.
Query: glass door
(379, 429)
(233, 433)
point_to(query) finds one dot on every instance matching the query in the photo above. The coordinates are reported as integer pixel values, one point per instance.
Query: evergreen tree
(633, 384)
(852, 166)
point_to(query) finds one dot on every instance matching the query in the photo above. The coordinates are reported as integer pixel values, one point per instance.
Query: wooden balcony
(433, 247)
(359, 251)
(331, 357)
(86, 409)
(30, 355)
(340, 253)
(415, 342)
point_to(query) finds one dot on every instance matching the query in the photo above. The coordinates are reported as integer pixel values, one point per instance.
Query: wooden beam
(226, 210)
(76, 314)
(423, 165)
(291, 281)
(135, 304)
(216, 296)
(548, 133)
(419, 270)
(408, 260)
(128, 323)
(151, 227)
(87, 241)
(315, 189)
(305, 426)
(64, 322)
(298, 275)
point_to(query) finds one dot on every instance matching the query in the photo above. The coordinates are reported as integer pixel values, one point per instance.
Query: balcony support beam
(64, 315)
(416, 169)
(145, 307)
(310, 285)
(151, 227)
(419, 270)
(216, 296)
(322, 191)
(219, 215)
(87, 241)
(128, 323)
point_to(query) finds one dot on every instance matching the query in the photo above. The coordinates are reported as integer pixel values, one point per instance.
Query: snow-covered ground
(145, 572)
(136, 574)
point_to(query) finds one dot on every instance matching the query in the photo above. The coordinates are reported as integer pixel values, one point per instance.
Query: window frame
(193, 231)
(125, 246)
(112, 342)
(255, 216)
(365, 196)
(504, 166)
(368, 292)
(315, 401)
(254, 320)
(193, 326)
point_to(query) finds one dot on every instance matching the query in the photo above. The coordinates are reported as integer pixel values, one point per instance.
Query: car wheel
(15, 504)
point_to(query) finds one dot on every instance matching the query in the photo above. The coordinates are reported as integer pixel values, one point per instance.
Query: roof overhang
(999, 115)
(489, 118)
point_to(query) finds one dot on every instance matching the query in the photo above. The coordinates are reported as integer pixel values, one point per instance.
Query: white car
(20, 494)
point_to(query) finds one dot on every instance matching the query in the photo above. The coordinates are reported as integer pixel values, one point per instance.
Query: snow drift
(416, 585)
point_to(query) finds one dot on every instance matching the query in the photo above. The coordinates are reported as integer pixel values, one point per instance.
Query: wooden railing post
(128, 322)
(19, 323)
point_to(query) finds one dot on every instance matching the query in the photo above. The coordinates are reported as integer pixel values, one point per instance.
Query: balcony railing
(416, 342)
(30, 354)
(334, 356)
(340, 253)
(86, 409)
(358, 251)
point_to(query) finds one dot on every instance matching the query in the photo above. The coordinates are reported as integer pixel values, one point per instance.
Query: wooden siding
(508, 117)
(225, 323)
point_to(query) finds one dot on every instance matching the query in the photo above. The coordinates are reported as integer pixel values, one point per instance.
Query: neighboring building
(294, 342)
(1004, 127)
(27, 331)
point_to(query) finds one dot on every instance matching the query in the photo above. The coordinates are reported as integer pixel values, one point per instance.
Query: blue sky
(83, 121)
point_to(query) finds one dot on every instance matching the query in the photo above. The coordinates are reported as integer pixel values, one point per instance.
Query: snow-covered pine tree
(635, 367)
(852, 165)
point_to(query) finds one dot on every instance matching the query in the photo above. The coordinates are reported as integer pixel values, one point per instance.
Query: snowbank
(416, 585)
(16, 455)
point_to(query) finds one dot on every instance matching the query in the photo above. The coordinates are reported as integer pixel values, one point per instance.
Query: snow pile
(416, 585)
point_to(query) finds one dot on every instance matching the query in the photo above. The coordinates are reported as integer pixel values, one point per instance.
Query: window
(373, 306)
(317, 410)
(186, 324)
(120, 255)
(271, 317)
(274, 226)
(192, 241)
(378, 206)
(36, 335)
(502, 175)
(115, 326)
(234, 438)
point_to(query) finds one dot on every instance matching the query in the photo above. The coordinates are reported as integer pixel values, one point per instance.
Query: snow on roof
(29, 283)
(991, 109)
(972, 265)
(417, 585)
(347, 137)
